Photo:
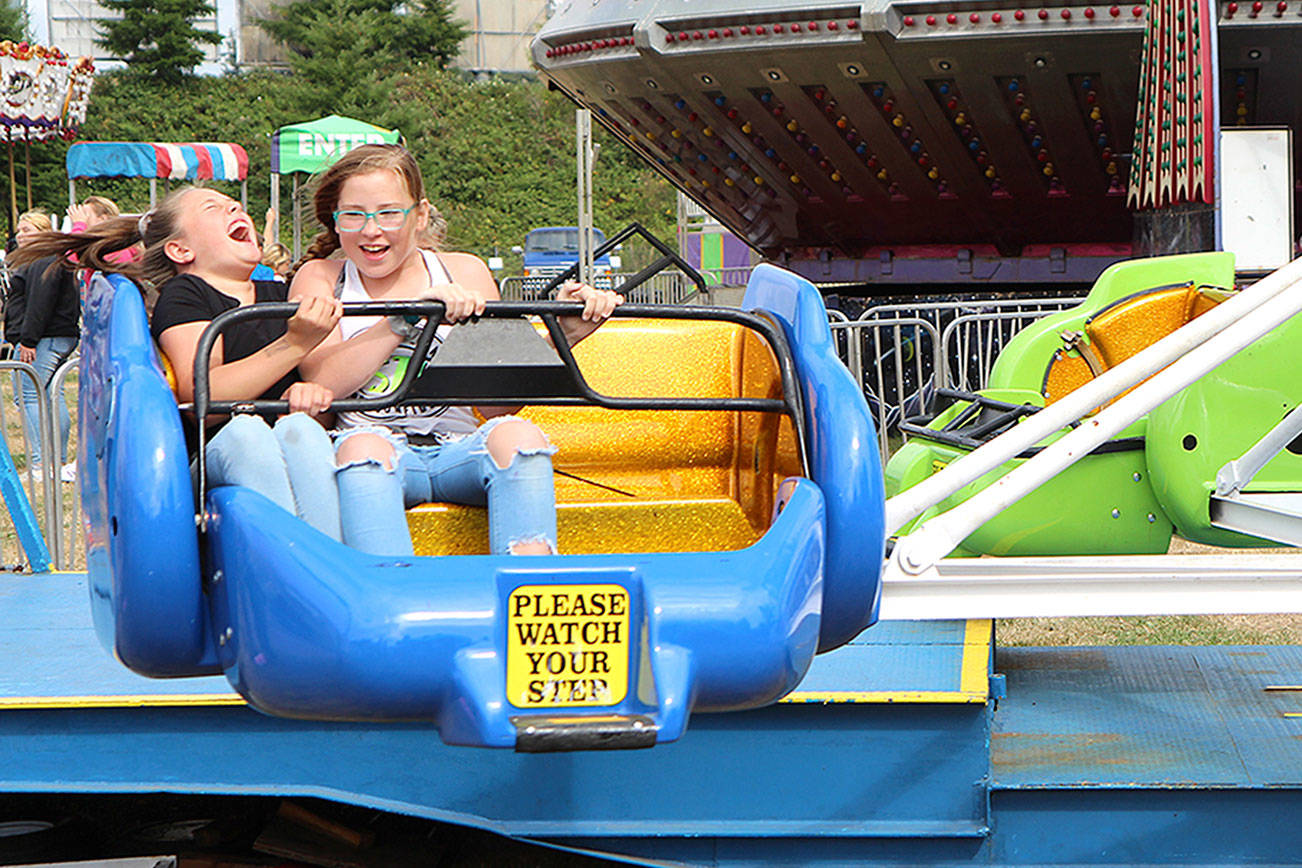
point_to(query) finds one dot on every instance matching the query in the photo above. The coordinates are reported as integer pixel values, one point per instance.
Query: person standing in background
(42, 319)
(93, 211)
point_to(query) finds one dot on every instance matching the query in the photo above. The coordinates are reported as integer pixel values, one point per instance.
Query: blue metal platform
(891, 752)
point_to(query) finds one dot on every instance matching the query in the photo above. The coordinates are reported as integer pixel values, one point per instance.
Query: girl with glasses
(372, 206)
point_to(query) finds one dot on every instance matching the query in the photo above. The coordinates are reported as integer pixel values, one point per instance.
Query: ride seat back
(653, 480)
(1122, 329)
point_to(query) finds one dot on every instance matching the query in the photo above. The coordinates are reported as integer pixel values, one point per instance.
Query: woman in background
(42, 320)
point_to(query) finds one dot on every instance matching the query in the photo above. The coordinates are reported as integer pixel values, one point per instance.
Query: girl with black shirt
(42, 320)
(200, 247)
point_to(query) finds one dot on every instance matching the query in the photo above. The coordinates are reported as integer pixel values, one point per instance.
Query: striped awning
(182, 161)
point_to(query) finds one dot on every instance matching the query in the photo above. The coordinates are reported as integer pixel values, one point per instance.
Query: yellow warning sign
(567, 645)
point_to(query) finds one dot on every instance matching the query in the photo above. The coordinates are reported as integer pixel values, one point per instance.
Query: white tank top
(422, 419)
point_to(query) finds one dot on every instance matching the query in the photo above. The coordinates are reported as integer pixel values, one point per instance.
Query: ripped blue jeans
(520, 497)
(289, 463)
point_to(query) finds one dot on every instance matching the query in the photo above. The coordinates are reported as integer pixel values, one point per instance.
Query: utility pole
(585, 155)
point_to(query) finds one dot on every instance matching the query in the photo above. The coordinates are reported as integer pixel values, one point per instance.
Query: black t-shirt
(42, 302)
(187, 298)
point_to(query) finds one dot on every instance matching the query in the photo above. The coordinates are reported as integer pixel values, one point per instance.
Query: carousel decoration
(44, 95)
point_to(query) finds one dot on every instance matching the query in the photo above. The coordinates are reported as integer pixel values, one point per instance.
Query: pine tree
(380, 34)
(13, 21)
(157, 37)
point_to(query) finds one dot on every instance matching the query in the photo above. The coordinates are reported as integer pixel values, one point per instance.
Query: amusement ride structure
(932, 143)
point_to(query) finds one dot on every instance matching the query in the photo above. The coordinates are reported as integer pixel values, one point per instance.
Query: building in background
(500, 31)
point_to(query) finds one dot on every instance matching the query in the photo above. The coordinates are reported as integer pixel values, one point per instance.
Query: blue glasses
(386, 218)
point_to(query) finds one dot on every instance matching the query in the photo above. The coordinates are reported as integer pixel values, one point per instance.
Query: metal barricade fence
(901, 353)
(728, 276)
(666, 287)
(69, 542)
(894, 362)
(34, 501)
(971, 343)
(518, 288)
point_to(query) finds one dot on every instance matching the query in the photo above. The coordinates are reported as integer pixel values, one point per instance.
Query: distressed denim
(291, 464)
(520, 497)
(50, 353)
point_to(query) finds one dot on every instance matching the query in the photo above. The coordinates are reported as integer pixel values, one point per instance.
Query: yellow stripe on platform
(881, 697)
(973, 679)
(150, 700)
(973, 687)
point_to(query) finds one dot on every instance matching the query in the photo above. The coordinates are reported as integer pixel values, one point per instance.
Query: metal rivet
(1137, 476)
(1151, 518)
(1116, 513)
(216, 576)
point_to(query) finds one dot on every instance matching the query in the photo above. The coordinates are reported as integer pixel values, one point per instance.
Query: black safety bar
(1004, 416)
(668, 256)
(549, 312)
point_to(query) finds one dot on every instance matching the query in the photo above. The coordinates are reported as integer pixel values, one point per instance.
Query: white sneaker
(69, 472)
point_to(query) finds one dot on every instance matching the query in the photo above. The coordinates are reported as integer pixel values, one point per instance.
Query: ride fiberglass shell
(540, 653)
(1117, 500)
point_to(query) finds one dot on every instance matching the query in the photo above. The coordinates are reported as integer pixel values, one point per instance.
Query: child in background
(42, 320)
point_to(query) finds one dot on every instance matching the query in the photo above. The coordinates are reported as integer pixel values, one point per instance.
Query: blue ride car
(720, 508)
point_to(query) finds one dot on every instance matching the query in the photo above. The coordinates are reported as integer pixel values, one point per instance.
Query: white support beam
(956, 588)
(1169, 365)
(1195, 348)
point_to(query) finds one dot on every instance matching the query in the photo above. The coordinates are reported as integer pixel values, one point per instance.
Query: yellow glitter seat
(1121, 330)
(649, 480)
